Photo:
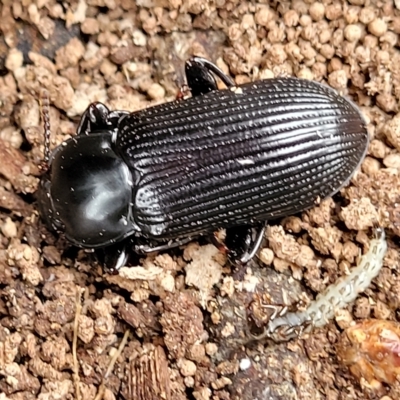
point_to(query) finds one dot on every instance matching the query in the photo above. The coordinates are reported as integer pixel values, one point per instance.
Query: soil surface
(175, 327)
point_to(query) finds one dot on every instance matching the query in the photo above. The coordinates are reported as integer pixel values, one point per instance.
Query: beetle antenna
(44, 103)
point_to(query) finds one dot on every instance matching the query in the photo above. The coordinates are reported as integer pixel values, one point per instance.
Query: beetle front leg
(98, 117)
(113, 257)
(200, 76)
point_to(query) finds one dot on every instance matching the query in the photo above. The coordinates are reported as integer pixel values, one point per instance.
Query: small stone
(327, 50)
(186, 367)
(245, 363)
(189, 381)
(387, 102)
(333, 11)
(211, 348)
(14, 60)
(392, 161)
(228, 330)
(107, 68)
(267, 256)
(360, 214)
(343, 318)
(381, 311)
(9, 228)
(12, 135)
(156, 91)
(291, 18)
(317, 11)
(305, 20)
(352, 33)
(202, 394)
(139, 38)
(85, 329)
(367, 15)
(362, 308)
(228, 286)
(378, 149)
(350, 251)
(90, 26)
(392, 131)
(197, 352)
(338, 79)
(305, 73)
(220, 383)
(292, 224)
(370, 166)
(377, 27)
(264, 15)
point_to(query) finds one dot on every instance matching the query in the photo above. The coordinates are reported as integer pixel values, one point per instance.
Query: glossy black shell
(251, 153)
(88, 192)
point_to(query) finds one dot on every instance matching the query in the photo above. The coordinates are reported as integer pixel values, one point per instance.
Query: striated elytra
(220, 159)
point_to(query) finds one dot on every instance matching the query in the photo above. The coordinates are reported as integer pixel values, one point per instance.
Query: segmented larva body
(336, 296)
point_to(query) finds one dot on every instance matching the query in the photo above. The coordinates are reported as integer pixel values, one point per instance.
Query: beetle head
(87, 192)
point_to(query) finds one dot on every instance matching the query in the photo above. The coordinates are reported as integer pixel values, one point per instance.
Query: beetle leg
(221, 246)
(113, 257)
(243, 242)
(144, 248)
(200, 76)
(98, 117)
(183, 92)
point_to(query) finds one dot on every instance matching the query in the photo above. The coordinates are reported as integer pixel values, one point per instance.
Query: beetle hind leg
(241, 242)
(200, 76)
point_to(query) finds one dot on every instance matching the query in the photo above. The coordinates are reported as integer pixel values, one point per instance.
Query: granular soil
(175, 326)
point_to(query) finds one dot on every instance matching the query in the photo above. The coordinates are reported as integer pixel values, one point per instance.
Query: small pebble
(156, 91)
(377, 27)
(392, 131)
(211, 348)
(370, 166)
(244, 364)
(266, 256)
(360, 214)
(367, 15)
(352, 33)
(338, 79)
(189, 381)
(378, 149)
(14, 60)
(9, 228)
(263, 16)
(317, 11)
(139, 38)
(186, 367)
(90, 26)
(392, 161)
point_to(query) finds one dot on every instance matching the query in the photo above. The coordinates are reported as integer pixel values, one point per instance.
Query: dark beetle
(231, 159)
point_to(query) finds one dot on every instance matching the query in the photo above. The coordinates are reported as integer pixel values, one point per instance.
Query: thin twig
(117, 353)
(113, 360)
(78, 309)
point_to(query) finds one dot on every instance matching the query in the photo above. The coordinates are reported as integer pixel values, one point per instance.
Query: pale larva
(336, 296)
